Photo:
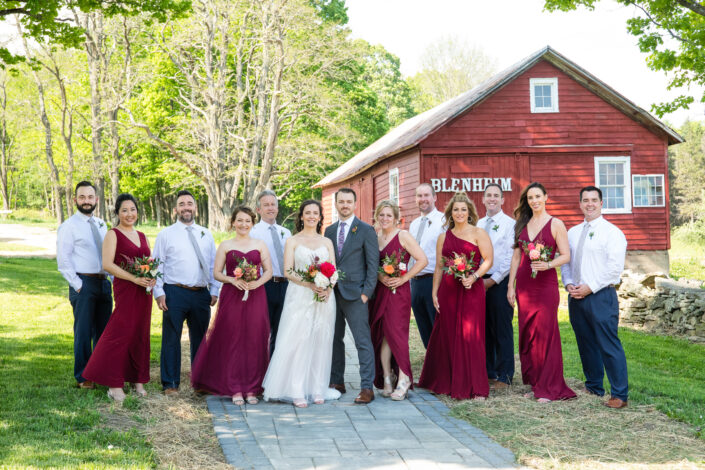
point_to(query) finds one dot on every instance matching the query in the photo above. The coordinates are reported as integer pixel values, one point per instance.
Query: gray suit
(359, 261)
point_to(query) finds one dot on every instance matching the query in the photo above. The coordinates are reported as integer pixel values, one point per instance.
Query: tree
(449, 67)
(672, 33)
(687, 165)
(6, 142)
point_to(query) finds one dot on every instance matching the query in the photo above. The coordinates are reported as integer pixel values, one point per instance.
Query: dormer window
(544, 95)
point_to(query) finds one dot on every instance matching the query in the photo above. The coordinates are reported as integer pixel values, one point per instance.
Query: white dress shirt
(179, 260)
(261, 231)
(604, 250)
(434, 228)
(76, 251)
(501, 233)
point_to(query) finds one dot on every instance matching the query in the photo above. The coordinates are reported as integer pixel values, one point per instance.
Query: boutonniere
(282, 234)
(495, 228)
(101, 224)
(354, 229)
(591, 234)
(203, 233)
(429, 223)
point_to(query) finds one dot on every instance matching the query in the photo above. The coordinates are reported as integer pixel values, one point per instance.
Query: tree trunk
(115, 153)
(5, 145)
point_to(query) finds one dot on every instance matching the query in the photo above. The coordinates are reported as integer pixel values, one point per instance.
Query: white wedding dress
(300, 366)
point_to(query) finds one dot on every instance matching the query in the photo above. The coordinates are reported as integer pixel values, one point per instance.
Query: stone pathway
(413, 434)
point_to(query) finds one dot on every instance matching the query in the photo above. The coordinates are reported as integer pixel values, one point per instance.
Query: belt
(193, 288)
(102, 277)
(279, 279)
(423, 276)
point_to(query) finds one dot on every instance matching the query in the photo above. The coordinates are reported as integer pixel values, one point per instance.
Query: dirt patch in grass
(576, 434)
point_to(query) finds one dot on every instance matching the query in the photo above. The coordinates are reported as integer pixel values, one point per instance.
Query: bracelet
(476, 276)
(549, 265)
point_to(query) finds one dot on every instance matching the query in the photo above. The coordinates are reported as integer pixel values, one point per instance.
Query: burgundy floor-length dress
(539, 338)
(122, 352)
(234, 355)
(389, 318)
(455, 359)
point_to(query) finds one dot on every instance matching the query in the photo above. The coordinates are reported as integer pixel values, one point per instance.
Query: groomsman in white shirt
(499, 335)
(187, 291)
(274, 236)
(79, 246)
(426, 228)
(597, 252)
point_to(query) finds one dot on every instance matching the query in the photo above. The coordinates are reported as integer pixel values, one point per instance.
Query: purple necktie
(341, 238)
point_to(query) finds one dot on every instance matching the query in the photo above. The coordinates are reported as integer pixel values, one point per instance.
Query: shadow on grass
(31, 276)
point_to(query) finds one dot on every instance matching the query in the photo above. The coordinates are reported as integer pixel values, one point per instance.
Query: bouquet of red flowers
(537, 252)
(246, 271)
(142, 266)
(321, 274)
(393, 266)
(459, 265)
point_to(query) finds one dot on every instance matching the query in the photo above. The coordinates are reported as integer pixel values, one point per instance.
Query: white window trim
(554, 94)
(334, 211)
(394, 172)
(627, 182)
(663, 180)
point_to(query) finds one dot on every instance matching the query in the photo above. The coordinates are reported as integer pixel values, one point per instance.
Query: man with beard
(187, 289)
(79, 247)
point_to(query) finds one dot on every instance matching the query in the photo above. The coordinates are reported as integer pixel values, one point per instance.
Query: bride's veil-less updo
(299, 223)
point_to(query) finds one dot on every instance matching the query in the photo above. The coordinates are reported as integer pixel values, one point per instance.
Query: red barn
(543, 119)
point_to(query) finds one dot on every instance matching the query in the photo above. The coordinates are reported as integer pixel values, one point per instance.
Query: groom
(357, 255)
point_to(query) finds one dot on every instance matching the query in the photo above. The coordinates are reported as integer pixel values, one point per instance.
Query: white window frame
(663, 187)
(553, 82)
(334, 211)
(627, 209)
(394, 188)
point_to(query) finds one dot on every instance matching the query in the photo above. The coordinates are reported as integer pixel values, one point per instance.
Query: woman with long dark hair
(299, 371)
(540, 246)
(122, 353)
(455, 358)
(234, 355)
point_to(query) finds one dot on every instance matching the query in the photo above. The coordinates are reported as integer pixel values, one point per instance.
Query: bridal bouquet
(142, 266)
(393, 266)
(459, 265)
(246, 271)
(321, 274)
(537, 252)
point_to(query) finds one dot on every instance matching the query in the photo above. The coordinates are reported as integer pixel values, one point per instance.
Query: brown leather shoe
(87, 384)
(171, 392)
(338, 387)
(615, 403)
(499, 386)
(366, 395)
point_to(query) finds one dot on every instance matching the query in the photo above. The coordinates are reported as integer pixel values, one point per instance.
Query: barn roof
(411, 132)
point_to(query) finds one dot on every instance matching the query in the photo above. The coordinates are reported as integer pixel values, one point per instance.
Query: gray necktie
(422, 227)
(579, 255)
(488, 224)
(279, 251)
(199, 255)
(97, 239)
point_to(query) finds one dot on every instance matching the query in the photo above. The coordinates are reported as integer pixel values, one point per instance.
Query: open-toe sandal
(239, 401)
(401, 391)
(252, 400)
(300, 404)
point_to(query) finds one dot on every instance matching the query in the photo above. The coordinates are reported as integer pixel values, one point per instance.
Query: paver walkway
(413, 434)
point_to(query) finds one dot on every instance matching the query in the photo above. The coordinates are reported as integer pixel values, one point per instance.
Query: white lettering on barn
(475, 185)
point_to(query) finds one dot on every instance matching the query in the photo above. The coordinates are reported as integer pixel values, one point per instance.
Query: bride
(299, 370)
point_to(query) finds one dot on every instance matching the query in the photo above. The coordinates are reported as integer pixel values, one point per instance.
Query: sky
(510, 30)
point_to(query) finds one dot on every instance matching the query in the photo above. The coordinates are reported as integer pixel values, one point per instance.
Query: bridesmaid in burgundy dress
(234, 355)
(455, 358)
(537, 298)
(122, 353)
(390, 309)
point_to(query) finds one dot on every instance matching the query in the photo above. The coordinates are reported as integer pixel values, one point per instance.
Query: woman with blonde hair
(390, 309)
(455, 358)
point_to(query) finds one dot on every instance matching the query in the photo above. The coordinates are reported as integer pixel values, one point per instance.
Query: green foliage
(331, 10)
(687, 171)
(673, 36)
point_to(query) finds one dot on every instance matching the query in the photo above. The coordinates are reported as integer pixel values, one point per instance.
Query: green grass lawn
(44, 420)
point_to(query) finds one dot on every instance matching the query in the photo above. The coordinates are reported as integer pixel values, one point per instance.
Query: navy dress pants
(194, 306)
(91, 311)
(422, 306)
(595, 320)
(499, 334)
(276, 292)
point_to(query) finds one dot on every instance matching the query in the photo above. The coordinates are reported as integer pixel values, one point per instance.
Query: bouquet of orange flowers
(393, 266)
(460, 266)
(537, 252)
(142, 266)
(246, 271)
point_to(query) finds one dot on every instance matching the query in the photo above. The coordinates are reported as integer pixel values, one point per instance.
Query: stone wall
(661, 305)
